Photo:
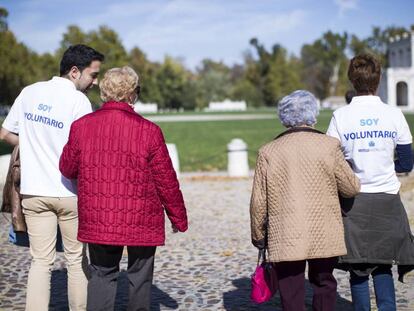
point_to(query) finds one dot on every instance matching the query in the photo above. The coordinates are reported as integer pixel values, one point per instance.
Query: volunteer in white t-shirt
(39, 121)
(377, 231)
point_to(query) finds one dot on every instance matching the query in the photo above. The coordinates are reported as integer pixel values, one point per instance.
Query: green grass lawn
(202, 145)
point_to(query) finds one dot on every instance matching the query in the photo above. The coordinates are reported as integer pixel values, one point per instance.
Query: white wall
(395, 75)
(227, 105)
(145, 108)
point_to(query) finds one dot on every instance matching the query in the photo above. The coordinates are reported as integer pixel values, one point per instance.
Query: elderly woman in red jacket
(125, 182)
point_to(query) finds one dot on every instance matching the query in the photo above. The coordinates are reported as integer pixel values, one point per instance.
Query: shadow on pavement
(239, 299)
(59, 297)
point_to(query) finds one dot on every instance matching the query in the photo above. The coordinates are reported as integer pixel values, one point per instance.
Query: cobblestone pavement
(206, 268)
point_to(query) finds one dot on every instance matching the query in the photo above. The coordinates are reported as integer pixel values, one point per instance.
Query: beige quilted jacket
(296, 184)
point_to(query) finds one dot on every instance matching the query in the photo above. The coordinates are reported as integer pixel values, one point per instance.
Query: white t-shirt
(42, 115)
(369, 131)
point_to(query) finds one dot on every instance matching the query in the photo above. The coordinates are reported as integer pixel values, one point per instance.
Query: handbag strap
(262, 254)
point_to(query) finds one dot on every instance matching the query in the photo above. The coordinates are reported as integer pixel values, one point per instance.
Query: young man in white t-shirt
(377, 231)
(39, 121)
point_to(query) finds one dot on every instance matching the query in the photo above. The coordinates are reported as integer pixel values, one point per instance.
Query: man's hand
(9, 137)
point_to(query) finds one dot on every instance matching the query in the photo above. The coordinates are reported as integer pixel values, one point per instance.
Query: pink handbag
(263, 281)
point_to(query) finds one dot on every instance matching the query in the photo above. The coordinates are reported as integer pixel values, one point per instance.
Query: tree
(73, 35)
(3, 19)
(324, 65)
(275, 74)
(213, 82)
(172, 79)
(47, 66)
(104, 40)
(377, 42)
(147, 71)
(243, 89)
(17, 63)
(264, 76)
(250, 87)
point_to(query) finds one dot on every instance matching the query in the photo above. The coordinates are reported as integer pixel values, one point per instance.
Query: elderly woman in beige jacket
(295, 211)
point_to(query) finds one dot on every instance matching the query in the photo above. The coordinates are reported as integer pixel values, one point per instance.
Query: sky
(193, 30)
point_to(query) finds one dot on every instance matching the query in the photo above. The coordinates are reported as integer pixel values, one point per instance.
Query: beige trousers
(42, 215)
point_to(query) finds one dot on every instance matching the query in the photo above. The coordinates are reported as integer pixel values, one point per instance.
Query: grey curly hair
(298, 108)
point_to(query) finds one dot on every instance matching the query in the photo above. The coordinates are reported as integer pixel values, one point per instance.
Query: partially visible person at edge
(126, 180)
(39, 121)
(295, 212)
(377, 231)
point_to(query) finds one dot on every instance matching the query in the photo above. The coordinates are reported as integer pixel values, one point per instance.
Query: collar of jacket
(111, 105)
(299, 129)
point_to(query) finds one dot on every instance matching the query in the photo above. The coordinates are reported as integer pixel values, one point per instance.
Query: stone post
(4, 167)
(172, 150)
(237, 165)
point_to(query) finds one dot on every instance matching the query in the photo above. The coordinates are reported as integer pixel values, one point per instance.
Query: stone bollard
(237, 158)
(172, 151)
(4, 167)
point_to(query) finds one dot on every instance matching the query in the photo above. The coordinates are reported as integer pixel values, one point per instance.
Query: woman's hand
(174, 229)
(261, 244)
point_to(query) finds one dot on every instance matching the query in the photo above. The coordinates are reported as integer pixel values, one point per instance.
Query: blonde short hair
(118, 84)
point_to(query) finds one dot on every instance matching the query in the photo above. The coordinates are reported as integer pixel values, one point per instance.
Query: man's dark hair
(364, 72)
(78, 55)
(349, 95)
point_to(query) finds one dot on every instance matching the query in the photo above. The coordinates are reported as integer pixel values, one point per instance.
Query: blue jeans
(383, 286)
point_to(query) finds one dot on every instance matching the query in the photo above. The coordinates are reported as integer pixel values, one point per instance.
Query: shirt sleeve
(69, 159)
(347, 182)
(11, 123)
(166, 182)
(84, 107)
(333, 129)
(404, 135)
(404, 161)
(259, 202)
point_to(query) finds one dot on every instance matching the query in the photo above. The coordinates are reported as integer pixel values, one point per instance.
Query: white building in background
(227, 105)
(145, 108)
(397, 82)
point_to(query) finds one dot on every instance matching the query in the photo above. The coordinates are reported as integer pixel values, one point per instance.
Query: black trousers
(104, 271)
(291, 279)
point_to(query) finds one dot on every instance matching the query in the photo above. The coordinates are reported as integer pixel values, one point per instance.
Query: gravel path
(206, 268)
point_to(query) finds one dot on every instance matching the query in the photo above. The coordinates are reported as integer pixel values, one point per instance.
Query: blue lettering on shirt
(44, 120)
(43, 107)
(368, 122)
(370, 134)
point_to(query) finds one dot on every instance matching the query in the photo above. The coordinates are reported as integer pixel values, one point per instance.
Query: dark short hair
(78, 55)
(349, 95)
(364, 72)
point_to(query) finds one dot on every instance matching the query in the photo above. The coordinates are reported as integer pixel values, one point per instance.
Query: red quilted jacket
(125, 178)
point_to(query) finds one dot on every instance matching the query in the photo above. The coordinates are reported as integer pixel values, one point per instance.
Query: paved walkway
(207, 268)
